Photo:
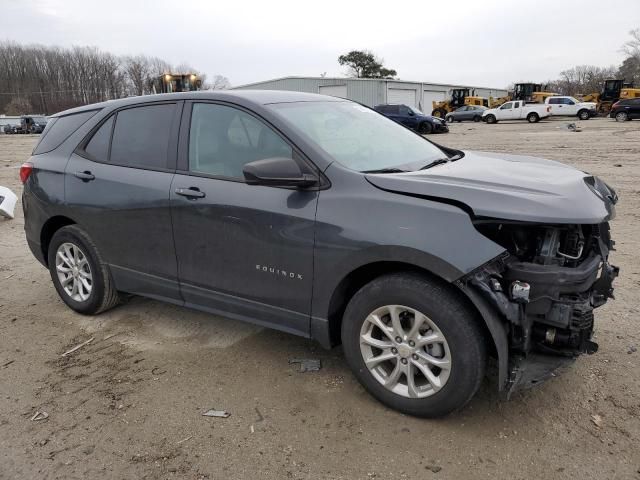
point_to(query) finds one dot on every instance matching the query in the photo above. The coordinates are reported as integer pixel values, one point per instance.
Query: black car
(412, 118)
(624, 110)
(319, 217)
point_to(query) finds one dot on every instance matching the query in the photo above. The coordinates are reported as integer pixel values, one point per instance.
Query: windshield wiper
(440, 161)
(386, 170)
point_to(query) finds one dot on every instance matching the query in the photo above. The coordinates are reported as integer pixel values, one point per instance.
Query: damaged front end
(545, 288)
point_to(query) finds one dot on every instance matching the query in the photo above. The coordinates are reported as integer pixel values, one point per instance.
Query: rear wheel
(78, 273)
(583, 115)
(533, 117)
(414, 345)
(622, 117)
(477, 118)
(491, 119)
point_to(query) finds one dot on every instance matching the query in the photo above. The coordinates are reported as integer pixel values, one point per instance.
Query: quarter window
(141, 136)
(58, 129)
(98, 146)
(222, 140)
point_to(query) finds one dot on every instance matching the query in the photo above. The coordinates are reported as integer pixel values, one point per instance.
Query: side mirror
(277, 172)
(411, 114)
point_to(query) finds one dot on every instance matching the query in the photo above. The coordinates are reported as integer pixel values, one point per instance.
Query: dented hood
(509, 187)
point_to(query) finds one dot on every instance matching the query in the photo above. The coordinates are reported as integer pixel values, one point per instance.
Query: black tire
(439, 112)
(621, 117)
(103, 295)
(425, 128)
(477, 118)
(584, 115)
(533, 118)
(491, 119)
(449, 119)
(458, 323)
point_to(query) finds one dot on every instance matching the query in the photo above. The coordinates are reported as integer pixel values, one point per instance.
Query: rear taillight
(25, 171)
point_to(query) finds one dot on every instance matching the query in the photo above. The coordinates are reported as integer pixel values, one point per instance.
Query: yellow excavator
(614, 89)
(529, 92)
(176, 82)
(459, 98)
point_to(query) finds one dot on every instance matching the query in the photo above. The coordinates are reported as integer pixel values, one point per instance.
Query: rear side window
(58, 129)
(98, 146)
(141, 136)
(554, 101)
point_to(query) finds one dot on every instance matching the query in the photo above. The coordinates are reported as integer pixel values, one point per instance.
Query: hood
(509, 187)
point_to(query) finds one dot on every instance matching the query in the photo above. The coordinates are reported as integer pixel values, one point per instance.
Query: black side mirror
(277, 172)
(410, 113)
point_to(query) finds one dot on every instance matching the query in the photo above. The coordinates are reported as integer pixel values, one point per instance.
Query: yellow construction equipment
(614, 89)
(459, 97)
(176, 82)
(529, 92)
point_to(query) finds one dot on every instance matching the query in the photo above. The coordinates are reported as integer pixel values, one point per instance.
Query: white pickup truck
(517, 110)
(569, 106)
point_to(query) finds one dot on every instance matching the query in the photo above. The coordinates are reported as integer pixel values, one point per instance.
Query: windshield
(358, 137)
(416, 111)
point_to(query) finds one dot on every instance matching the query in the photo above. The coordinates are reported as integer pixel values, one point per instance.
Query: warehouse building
(372, 91)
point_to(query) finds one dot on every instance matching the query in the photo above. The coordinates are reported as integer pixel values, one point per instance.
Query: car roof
(257, 97)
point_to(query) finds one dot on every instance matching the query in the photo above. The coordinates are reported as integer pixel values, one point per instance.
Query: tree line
(40, 79)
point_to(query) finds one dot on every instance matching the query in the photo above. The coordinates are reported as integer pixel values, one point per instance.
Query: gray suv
(322, 218)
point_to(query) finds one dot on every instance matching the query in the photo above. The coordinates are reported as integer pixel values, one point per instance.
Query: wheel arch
(49, 228)
(359, 277)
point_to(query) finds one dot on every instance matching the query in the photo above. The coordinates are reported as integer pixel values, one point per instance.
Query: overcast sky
(476, 42)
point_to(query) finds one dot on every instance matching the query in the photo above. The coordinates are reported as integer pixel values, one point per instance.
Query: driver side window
(506, 106)
(222, 140)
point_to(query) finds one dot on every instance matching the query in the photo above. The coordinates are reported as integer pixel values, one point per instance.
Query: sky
(490, 43)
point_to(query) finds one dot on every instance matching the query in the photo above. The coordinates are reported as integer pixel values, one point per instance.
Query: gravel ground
(129, 404)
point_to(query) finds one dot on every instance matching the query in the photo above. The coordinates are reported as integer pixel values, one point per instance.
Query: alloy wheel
(405, 351)
(74, 272)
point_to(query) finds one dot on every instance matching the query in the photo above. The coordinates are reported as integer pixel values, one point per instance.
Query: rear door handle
(85, 176)
(191, 192)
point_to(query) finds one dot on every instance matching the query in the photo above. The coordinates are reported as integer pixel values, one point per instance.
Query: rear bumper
(593, 113)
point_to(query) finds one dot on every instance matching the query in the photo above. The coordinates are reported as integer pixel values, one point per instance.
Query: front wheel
(491, 119)
(414, 345)
(425, 128)
(78, 273)
(622, 117)
(439, 112)
(533, 118)
(583, 115)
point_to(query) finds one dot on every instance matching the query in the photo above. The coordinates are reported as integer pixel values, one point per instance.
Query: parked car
(624, 110)
(466, 113)
(569, 106)
(517, 110)
(10, 125)
(28, 124)
(316, 216)
(412, 118)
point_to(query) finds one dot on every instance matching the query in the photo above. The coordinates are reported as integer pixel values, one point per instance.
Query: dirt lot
(129, 404)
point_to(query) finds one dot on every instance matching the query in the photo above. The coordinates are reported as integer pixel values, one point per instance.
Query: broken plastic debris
(39, 416)
(597, 420)
(307, 364)
(216, 413)
(77, 347)
(7, 202)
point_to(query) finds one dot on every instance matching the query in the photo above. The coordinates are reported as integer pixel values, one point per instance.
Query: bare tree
(219, 82)
(631, 48)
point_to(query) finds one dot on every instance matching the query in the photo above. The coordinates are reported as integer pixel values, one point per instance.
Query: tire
(533, 118)
(449, 119)
(74, 244)
(444, 314)
(439, 112)
(425, 128)
(584, 115)
(622, 117)
(477, 118)
(491, 119)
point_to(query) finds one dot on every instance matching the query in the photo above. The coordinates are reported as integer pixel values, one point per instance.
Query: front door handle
(85, 176)
(191, 192)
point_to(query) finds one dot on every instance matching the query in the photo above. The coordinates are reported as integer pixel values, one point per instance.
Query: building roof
(294, 77)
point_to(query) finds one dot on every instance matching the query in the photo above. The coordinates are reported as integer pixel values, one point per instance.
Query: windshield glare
(357, 137)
